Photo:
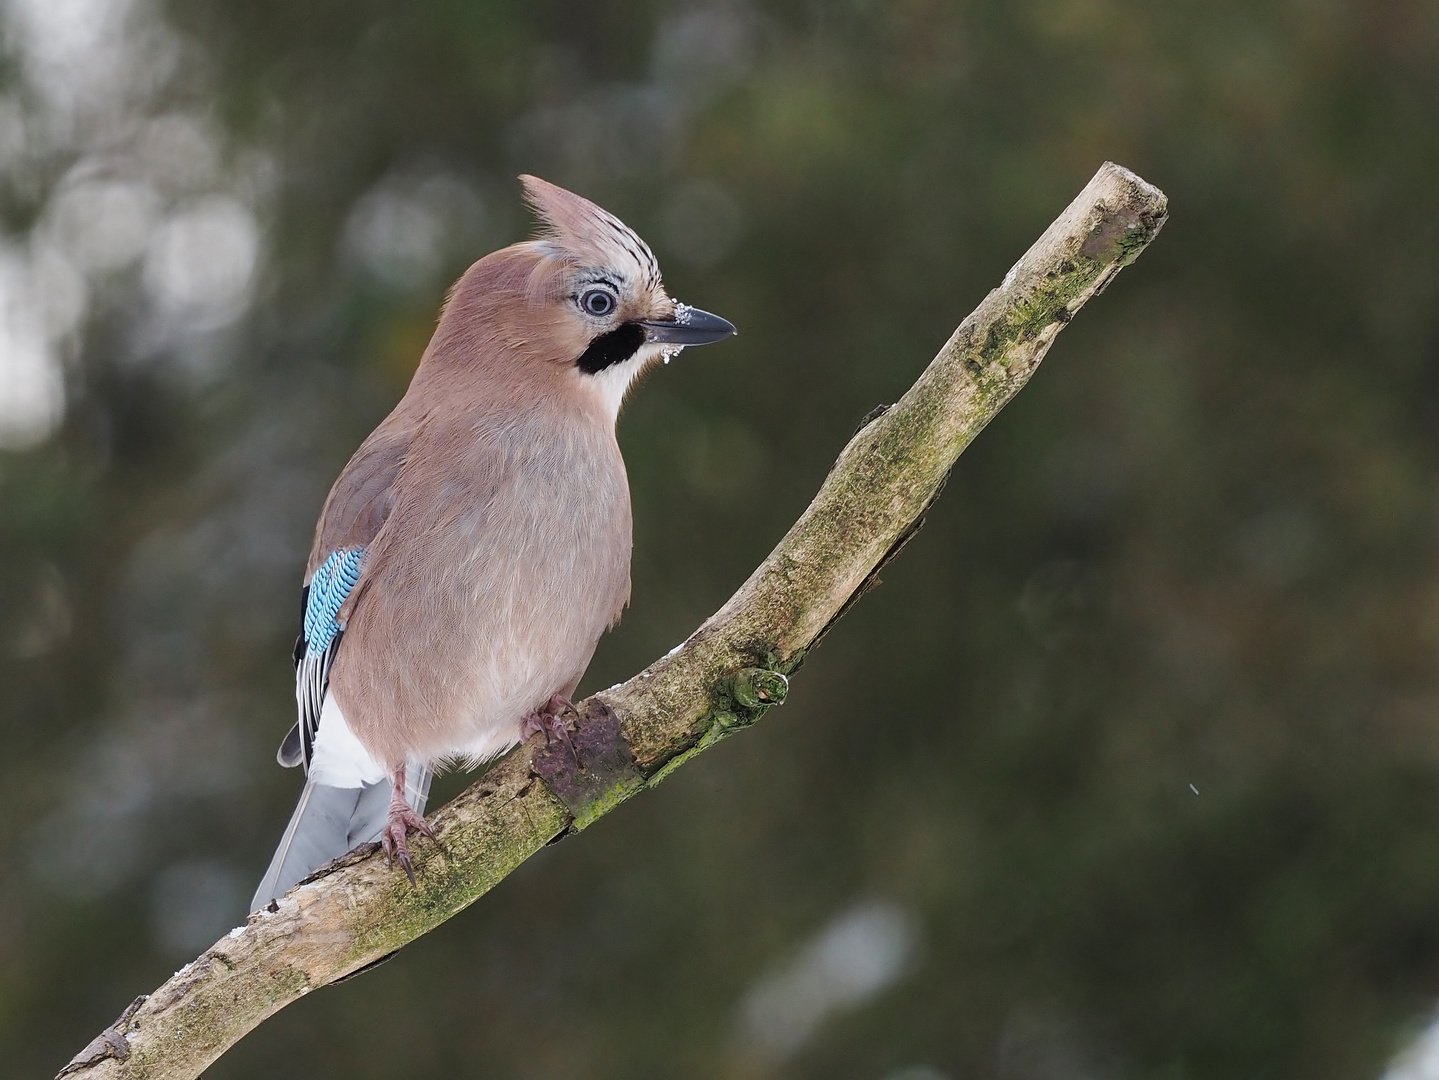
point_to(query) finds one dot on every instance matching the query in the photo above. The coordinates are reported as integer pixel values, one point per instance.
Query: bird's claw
(548, 720)
(394, 838)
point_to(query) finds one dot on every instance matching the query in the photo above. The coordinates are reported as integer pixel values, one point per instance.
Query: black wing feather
(312, 680)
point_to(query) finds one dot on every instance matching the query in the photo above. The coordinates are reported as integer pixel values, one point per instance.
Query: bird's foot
(550, 720)
(394, 838)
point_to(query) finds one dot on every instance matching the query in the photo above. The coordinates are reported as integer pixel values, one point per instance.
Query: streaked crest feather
(589, 231)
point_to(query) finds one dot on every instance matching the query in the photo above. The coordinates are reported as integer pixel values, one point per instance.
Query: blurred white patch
(91, 72)
(916, 1072)
(700, 222)
(67, 43)
(179, 154)
(200, 263)
(32, 387)
(193, 903)
(407, 230)
(89, 58)
(60, 294)
(1419, 1060)
(104, 225)
(860, 954)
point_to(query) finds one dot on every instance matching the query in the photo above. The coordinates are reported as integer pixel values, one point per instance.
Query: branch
(356, 912)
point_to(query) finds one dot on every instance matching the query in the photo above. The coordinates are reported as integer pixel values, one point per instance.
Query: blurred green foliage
(1136, 747)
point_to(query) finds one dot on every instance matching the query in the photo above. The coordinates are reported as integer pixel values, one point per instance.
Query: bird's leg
(394, 839)
(547, 719)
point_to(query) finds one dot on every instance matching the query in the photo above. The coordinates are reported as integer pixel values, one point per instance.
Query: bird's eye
(597, 302)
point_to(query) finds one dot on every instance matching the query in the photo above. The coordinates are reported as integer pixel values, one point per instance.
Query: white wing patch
(338, 759)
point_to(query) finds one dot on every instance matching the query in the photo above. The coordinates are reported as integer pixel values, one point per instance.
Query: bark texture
(357, 911)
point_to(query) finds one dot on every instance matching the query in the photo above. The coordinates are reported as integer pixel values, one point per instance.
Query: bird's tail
(328, 822)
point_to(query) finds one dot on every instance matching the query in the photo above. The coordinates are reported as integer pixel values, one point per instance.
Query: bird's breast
(501, 571)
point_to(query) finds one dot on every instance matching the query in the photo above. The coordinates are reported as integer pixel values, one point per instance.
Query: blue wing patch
(316, 648)
(328, 589)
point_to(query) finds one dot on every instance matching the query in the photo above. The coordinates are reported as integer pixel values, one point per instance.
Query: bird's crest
(590, 232)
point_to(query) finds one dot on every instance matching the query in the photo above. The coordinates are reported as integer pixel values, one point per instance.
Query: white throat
(615, 381)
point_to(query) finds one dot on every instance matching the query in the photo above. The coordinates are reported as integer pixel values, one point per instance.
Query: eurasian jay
(477, 545)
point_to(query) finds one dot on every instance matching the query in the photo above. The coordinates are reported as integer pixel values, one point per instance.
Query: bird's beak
(690, 326)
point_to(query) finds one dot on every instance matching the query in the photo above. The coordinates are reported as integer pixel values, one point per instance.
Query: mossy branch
(356, 912)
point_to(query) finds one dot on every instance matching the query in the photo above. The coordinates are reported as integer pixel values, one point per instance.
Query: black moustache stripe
(612, 348)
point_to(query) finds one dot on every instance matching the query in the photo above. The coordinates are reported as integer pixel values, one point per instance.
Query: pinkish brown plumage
(477, 545)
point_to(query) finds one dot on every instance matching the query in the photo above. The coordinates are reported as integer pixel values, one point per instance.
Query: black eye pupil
(598, 302)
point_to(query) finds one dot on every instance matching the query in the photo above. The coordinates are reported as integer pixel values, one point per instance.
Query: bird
(477, 545)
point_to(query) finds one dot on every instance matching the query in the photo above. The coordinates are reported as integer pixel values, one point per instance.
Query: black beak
(690, 326)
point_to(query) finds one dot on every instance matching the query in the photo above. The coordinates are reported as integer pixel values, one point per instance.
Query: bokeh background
(1130, 768)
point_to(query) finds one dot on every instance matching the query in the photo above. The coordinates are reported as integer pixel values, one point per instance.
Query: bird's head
(602, 287)
(581, 304)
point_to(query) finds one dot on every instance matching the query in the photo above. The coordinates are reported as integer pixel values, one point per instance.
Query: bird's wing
(457, 466)
(316, 647)
(364, 494)
(354, 513)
